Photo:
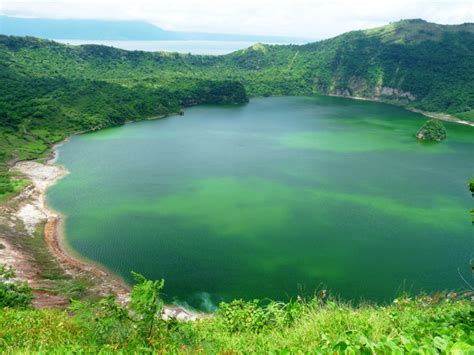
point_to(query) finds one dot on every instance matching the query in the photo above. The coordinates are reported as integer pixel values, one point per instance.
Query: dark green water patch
(273, 199)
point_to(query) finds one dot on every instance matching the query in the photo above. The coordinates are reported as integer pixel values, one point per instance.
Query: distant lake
(276, 198)
(193, 47)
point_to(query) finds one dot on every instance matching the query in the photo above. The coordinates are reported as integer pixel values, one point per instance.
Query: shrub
(146, 303)
(241, 316)
(107, 322)
(13, 294)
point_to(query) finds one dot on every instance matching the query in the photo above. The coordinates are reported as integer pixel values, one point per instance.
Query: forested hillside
(51, 90)
(419, 64)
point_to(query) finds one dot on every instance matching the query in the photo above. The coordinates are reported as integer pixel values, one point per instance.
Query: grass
(16, 186)
(443, 323)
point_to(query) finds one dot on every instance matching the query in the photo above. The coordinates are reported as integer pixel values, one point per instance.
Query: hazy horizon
(297, 18)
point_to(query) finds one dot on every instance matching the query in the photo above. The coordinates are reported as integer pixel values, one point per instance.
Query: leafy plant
(13, 294)
(441, 323)
(241, 316)
(146, 304)
(106, 320)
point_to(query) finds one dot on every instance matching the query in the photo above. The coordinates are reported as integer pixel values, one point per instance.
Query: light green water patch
(441, 212)
(232, 206)
(250, 206)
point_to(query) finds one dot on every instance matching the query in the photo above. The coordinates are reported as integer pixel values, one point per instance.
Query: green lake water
(276, 198)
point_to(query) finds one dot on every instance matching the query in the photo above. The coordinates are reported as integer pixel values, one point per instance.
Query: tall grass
(444, 323)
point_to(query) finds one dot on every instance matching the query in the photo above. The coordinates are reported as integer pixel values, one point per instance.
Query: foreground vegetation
(441, 323)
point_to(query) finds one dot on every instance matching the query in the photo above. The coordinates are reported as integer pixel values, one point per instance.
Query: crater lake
(281, 197)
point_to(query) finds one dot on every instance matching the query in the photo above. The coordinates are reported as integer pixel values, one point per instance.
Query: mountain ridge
(81, 29)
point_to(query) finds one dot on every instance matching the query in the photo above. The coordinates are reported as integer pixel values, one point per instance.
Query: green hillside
(415, 63)
(51, 90)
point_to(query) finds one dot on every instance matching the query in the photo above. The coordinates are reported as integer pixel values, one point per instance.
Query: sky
(301, 18)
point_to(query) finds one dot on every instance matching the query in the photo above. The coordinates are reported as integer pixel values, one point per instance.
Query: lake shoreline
(32, 210)
(436, 115)
(43, 176)
(35, 209)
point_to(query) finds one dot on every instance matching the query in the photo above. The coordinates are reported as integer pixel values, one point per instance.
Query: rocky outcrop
(359, 87)
(393, 93)
(342, 92)
(378, 91)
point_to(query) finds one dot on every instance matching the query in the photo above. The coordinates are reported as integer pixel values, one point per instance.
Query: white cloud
(306, 18)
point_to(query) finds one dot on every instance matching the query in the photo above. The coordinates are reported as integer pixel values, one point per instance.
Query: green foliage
(432, 130)
(146, 304)
(13, 294)
(10, 184)
(442, 323)
(105, 321)
(248, 316)
(5, 184)
(426, 324)
(108, 322)
(240, 316)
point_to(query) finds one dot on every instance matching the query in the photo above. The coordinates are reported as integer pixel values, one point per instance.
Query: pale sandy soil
(34, 211)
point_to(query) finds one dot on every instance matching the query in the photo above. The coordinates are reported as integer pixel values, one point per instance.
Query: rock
(178, 313)
(394, 93)
(432, 130)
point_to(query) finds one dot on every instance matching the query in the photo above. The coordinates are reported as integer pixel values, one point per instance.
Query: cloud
(307, 18)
